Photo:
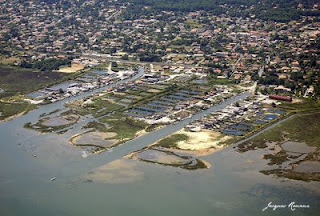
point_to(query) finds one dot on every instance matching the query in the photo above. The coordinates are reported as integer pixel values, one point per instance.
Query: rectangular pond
(233, 132)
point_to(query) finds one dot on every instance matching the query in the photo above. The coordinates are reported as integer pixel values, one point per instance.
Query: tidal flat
(109, 180)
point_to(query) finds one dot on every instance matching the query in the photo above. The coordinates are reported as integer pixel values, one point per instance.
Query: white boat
(52, 179)
(84, 154)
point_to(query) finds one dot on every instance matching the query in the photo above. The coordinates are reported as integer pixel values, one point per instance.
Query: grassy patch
(14, 80)
(39, 126)
(302, 127)
(198, 165)
(8, 109)
(291, 174)
(171, 141)
(97, 108)
(215, 81)
(306, 105)
(101, 107)
(45, 129)
(96, 125)
(152, 127)
(193, 23)
(277, 158)
(313, 156)
(189, 163)
(50, 113)
(125, 127)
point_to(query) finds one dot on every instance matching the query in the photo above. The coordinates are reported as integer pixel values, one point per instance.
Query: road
(234, 48)
(234, 66)
(110, 58)
(256, 82)
(262, 131)
(261, 71)
(110, 67)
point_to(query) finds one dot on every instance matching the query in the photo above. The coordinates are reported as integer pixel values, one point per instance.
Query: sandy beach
(72, 69)
(202, 140)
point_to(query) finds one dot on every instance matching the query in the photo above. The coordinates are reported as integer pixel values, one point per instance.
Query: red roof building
(279, 97)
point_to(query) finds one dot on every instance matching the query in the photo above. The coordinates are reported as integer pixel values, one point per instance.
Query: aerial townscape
(166, 107)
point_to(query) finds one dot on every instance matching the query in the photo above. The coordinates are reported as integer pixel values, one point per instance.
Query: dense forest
(47, 64)
(276, 10)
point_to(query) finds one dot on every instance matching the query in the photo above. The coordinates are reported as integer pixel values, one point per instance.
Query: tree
(125, 57)
(114, 64)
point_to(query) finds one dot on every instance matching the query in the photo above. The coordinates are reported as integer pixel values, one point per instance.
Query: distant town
(219, 46)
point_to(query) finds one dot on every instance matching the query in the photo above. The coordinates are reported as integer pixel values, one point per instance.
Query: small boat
(84, 154)
(52, 179)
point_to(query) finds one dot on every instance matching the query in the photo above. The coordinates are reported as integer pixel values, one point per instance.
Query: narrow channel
(153, 136)
(13, 132)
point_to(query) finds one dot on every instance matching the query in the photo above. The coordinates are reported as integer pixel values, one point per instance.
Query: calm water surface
(232, 186)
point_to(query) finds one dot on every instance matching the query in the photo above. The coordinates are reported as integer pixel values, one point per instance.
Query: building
(279, 97)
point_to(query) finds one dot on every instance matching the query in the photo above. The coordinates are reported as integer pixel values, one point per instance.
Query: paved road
(110, 58)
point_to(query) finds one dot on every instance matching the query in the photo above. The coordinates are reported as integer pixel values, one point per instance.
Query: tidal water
(232, 186)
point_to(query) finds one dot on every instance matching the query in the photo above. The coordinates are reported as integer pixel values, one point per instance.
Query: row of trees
(47, 64)
(275, 10)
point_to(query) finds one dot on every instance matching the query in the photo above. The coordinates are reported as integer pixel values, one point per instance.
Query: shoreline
(14, 116)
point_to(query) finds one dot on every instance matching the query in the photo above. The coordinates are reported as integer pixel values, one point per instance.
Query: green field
(41, 127)
(303, 127)
(172, 140)
(100, 107)
(14, 80)
(307, 105)
(125, 127)
(96, 125)
(8, 109)
(153, 127)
